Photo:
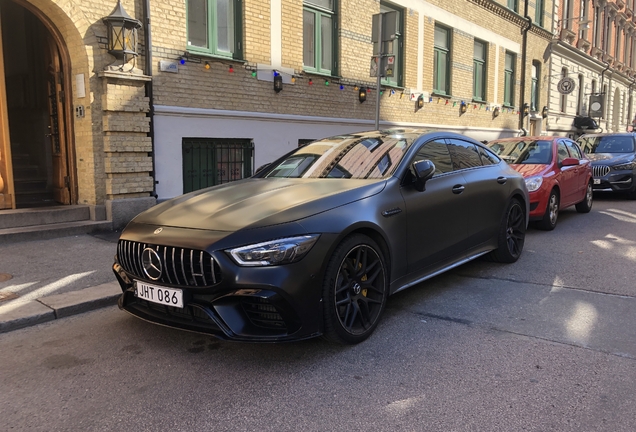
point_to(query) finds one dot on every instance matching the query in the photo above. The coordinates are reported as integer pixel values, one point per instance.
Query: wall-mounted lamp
(525, 110)
(278, 82)
(207, 66)
(463, 107)
(495, 112)
(420, 102)
(122, 34)
(544, 112)
(362, 94)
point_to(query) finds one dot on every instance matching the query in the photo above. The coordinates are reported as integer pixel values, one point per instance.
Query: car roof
(528, 138)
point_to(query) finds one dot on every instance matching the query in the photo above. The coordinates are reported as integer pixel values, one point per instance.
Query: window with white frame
(214, 27)
(534, 89)
(564, 98)
(319, 23)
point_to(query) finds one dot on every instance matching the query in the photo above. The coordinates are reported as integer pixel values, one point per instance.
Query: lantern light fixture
(544, 112)
(420, 101)
(495, 112)
(525, 110)
(122, 33)
(278, 82)
(463, 107)
(362, 94)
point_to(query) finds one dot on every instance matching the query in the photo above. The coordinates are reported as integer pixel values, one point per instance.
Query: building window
(579, 101)
(538, 12)
(441, 61)
(534, 89)
(213, 161)
(564, 98)
(509, 79)
(394, 47)
(214, 27)
(514, 5)
(479, 70)
(318, 36)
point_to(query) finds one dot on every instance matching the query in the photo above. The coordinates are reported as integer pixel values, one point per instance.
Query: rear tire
(549, 221)
(586, 205)
(512, 234)
(355, 290)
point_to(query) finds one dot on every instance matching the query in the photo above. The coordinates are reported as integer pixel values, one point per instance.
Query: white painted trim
(276, 28)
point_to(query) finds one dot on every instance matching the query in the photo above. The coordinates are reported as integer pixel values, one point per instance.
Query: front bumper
(615, 181)
(256, 304)
(538, 204)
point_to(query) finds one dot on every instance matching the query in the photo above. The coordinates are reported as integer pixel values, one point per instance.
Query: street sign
(566, 85)
(388, 66)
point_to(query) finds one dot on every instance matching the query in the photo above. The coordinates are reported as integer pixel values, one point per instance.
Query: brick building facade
(198, 105)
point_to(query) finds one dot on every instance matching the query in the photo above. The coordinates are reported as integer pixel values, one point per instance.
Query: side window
(464, 154)
(436, 152)
(487, 157)
(562, 151)
(574, 150)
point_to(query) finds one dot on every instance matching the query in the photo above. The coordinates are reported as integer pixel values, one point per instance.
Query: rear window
(607, 144)
(523, 151)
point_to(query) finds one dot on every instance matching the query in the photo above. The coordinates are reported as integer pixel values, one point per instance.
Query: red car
(557, 173)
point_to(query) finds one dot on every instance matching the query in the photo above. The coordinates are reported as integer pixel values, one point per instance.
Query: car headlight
(534, 183)
(627, 166)
(275, 252)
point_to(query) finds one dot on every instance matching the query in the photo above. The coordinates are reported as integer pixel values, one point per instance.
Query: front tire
(586, 205)
(549, 221)
(355, 290)
(512, 234)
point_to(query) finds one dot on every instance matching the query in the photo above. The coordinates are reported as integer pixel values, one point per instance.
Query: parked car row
(315, 242)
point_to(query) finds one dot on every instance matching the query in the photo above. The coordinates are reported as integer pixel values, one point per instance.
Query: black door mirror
(423, 170)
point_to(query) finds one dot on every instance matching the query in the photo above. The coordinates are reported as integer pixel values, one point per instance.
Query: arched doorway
(36, 108)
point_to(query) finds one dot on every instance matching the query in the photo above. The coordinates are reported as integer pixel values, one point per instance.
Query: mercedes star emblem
(151, 263)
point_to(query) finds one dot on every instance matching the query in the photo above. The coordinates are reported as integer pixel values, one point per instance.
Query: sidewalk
(44, 280)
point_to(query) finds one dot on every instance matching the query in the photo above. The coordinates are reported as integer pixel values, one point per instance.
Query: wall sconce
(544, 112)
(122, 34)
(463, 107)
(420, 101)
(278, 82)
(362, 94)
(495, 112)
(525, 110)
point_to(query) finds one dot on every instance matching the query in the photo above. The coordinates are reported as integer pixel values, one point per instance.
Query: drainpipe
(149, 95)
(524, 48)
(601, 88)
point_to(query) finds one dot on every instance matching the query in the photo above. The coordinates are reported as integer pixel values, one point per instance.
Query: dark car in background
(557, 173)
(613, 161)
(315, 242)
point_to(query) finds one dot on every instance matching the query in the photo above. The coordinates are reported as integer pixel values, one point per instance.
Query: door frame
(66, 99)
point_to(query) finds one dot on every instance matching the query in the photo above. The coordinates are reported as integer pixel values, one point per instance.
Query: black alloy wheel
(586, 205)
(355, 290)
(512, 234)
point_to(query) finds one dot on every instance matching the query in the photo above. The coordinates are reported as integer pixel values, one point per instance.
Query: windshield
(356, 156)
(523, 151)
(607, 144)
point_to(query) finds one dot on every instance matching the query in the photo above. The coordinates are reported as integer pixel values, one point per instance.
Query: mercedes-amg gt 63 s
(315, 242)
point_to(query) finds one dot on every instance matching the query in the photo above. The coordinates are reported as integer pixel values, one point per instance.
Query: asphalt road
(546, 344)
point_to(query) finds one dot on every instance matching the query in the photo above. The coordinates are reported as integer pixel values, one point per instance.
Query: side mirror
(569, 162)
(423, 170)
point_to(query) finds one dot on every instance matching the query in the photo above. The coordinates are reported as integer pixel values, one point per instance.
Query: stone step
(52, 230)
(41, 216)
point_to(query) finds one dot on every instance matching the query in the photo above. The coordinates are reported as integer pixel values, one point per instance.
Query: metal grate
(180, 266)
(600, 170)
(262, 313)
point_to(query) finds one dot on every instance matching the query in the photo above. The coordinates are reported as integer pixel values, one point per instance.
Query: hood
(610, 158)
(257, 202)
(530, 170)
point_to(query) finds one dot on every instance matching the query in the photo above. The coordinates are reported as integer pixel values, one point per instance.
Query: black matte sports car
(314, 243)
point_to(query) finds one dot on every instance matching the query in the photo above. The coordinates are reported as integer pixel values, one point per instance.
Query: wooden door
(7, 195)
(57, 129)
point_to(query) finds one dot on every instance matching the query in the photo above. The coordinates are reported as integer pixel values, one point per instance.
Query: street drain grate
(5, 277)
(6, 296)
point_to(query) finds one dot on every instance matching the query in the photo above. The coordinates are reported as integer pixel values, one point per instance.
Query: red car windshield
(523, 151)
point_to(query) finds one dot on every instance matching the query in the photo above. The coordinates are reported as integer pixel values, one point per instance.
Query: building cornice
(512, 16)
(566, 50)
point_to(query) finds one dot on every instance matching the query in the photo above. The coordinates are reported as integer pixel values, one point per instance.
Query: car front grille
(262, 313)
(179, 266)
(600, 170)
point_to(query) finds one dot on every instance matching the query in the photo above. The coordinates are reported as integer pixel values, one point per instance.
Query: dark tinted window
(607, 144)
(575, 152)
(464, 154)
(487, 157)
(437, 152)
(523, 151)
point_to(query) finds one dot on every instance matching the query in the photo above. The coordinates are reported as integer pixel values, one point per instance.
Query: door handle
(457, 189)
(502, 180)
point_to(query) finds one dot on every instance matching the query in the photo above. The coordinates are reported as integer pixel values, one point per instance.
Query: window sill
(441, 95)
(197, 55)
